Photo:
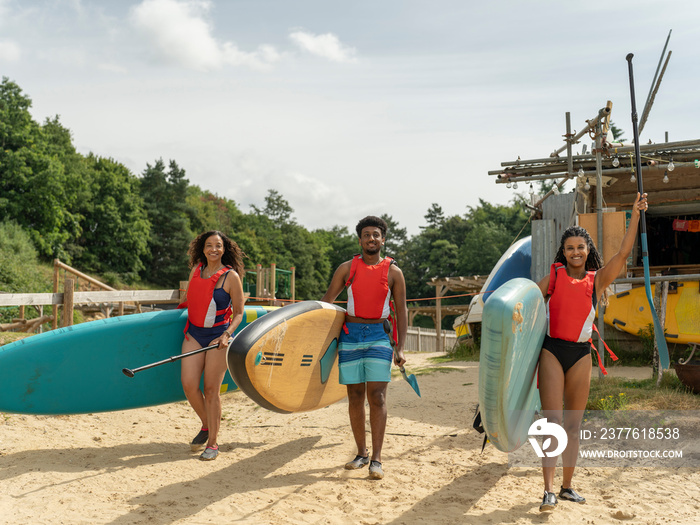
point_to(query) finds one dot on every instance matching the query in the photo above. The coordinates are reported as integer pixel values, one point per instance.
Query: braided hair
(593, 261)
(232, 256)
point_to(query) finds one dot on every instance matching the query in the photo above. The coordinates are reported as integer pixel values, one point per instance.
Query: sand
(135, 467)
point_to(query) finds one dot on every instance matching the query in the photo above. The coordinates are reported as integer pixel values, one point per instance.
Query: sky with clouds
(346, 108)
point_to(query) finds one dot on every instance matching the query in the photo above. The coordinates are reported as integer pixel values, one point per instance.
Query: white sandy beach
(135, 467)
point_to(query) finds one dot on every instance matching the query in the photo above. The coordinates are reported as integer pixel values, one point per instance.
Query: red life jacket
(570, 306)
(570, 309)
(368, 289)
(201, 307)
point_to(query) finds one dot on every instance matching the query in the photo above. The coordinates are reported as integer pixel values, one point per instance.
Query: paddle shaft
(129, 372)
(664, 361)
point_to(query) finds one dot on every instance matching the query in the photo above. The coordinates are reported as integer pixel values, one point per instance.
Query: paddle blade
(411, 380)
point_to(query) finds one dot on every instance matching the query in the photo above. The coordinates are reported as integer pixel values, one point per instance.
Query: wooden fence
(425, 340)
(70, 298)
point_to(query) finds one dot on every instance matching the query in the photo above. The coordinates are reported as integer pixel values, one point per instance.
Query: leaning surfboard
(78, 369)
(513, 327)
(629, 311)
(288, 361)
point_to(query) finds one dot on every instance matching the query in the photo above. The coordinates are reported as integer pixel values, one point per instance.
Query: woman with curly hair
(576, 281)
(215, 309)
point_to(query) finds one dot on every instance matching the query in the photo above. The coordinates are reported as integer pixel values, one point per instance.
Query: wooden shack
(605, 183)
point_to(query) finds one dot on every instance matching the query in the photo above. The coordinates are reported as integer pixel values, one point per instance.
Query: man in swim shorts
(365, 349)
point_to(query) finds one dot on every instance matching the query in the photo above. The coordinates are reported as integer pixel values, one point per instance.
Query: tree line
(96, 215)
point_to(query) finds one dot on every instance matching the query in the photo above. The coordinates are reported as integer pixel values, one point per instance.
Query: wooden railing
(69, 298)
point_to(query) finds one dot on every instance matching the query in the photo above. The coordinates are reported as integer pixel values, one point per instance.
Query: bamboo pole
(590, 124)
(599, 217)
(652, 95)
(81, 275)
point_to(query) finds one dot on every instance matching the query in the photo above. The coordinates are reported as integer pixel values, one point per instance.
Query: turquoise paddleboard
(78, 369)
(513, 327)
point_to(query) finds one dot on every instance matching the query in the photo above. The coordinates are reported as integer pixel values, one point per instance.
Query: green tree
(435, 217)
(37, 189)
(115, 227)
(617, 132)
(165, 200)
(277, 209)
(396, 238)
(211, 212)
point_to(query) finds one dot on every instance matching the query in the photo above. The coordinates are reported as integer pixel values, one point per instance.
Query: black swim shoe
(571, 495)
(199, 441)
(548, 502)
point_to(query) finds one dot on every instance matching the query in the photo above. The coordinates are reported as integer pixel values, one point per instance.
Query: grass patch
(614, 393)
(463, 351)
(9, 337)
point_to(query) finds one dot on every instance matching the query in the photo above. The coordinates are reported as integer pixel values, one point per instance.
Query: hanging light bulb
(580, 172)
(555, 189)
(671, 165)
(508, 184)
(532, 191)
(587, 186)
(515, 185)
(666, 177)
(633, 178)
(615, 161)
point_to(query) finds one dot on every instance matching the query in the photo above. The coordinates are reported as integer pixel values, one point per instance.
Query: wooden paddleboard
(288, 361)
(629, 311)
(513, 327)
(78, 369)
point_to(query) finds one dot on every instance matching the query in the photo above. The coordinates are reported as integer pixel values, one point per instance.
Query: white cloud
(181, 34)
(9, 51)
(113, 68)
(326, 46)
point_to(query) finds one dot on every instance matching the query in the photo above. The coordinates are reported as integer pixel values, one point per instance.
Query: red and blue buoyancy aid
(368, 289)
(570, 308)
(201, 306)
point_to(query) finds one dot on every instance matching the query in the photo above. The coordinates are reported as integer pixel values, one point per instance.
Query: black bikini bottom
(568, 353)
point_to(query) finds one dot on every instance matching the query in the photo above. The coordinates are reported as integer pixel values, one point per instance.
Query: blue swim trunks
(364, 354)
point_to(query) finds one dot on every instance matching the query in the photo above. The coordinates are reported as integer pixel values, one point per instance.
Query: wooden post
(54, 308)
(259, 284)
(660, 296)
(68, 290)
(183, 291)
(273, 282)
(294, 271)
(419, 340)
(440, 289)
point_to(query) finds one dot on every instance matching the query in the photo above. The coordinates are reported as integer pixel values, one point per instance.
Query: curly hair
(371, 220)
(233, 255)
(593, 261)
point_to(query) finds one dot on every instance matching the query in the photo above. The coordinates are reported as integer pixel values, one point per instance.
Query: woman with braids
(215, 309)
(576, 280)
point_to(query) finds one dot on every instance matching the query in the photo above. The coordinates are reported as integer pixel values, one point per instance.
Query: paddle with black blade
(129, 372)
(664, 361)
